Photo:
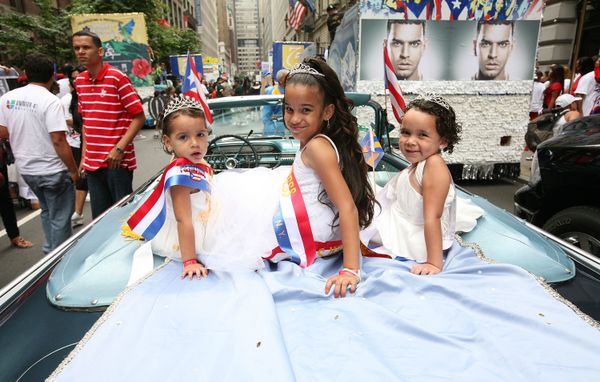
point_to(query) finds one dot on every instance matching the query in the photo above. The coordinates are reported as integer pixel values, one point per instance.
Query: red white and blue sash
(150, 216)
(293, 230)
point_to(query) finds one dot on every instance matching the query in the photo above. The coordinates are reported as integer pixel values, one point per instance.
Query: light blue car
(46, 312)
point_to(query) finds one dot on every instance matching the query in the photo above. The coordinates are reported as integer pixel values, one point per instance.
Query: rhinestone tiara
(181, 102)
(431, 97)
(301, 68)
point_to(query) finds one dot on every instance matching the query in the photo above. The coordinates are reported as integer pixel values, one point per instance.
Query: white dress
(238, 232)
(400, 225)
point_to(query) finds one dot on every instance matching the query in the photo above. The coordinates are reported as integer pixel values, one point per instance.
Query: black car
(563, 195)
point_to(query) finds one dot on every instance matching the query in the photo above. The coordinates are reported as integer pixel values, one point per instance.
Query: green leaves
(49, 31)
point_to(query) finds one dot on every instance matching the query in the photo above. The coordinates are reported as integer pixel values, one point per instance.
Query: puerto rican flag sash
(293, 230)
(148, 219)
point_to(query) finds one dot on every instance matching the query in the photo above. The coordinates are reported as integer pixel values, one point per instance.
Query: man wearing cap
(334, 19)
(569, 103)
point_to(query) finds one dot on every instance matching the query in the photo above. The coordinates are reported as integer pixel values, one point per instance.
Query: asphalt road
(14, 261)
(151, 158)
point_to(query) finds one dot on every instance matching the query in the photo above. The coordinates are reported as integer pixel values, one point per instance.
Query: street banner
(125, 42)
(287, 54)
(179, 64)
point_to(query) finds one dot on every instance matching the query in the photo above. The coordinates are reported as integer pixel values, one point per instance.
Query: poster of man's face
(406, 44)
(448, 50)
(492, 46)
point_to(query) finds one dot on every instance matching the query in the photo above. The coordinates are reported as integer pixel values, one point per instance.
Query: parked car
(47, 310)
(562, 195)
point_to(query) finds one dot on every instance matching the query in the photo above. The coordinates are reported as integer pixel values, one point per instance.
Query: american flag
(192, 88)
(391, 84)
(296, 12)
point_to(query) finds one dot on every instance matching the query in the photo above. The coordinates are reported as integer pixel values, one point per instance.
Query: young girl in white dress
(186, 184)
(418, 215)
(329, 168)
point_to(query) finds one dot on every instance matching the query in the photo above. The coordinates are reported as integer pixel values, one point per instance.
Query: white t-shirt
(30, 114)
(63, 87)
(589, 88)
(72, 136)
(537, 97)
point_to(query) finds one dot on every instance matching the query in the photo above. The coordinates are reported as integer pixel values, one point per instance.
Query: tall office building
(272, 25)
(207, 29)
(248, 42)
(226, 36)
(181, 13)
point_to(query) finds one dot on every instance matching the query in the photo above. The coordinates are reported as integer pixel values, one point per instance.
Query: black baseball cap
(331, 7)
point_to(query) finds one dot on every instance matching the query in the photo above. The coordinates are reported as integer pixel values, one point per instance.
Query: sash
(293, 230)
(148, 219)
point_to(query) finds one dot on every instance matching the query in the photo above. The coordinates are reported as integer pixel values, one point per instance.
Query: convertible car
(47, 311)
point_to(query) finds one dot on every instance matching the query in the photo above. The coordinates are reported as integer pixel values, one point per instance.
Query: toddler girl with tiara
(418, 216)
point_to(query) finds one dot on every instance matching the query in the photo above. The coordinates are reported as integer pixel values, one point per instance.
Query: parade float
(480, 55)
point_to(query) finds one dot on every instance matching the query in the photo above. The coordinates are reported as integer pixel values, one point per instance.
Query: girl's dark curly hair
(445, 120)
(343, 131)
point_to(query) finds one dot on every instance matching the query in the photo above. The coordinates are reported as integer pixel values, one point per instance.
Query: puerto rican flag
(455, 9)
(192, 85)
(393, 87)
(149, 218)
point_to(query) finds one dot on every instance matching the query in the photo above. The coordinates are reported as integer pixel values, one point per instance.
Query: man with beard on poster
(493, 45)
(406, 42)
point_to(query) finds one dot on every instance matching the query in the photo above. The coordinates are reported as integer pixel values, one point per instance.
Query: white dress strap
(419, 173)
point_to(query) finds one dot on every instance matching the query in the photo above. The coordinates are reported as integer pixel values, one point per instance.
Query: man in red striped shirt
(112, 116)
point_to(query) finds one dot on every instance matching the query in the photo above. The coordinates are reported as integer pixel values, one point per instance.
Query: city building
(273, 21)
(248, 36)
(181, 14)
(226, 37)
(207, 28)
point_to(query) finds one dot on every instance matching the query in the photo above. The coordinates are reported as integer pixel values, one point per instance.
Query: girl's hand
(425, 269)
(197, 269)
(341, 283)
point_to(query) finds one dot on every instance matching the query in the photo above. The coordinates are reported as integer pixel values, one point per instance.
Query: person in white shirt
(567, 102)
(537, 96)
(588, 89)
(33, 120)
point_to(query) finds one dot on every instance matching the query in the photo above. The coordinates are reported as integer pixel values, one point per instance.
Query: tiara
(301, 68)
(181, 102)
(431, 97)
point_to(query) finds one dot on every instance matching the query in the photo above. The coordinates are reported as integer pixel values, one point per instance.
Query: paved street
(151, 158)
(13, 261)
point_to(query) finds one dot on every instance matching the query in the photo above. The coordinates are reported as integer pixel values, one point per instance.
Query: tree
(43, 33)
(163, 40)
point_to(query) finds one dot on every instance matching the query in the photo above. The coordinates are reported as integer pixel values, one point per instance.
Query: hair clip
(181, 102)
(301, 68)
(431, 97)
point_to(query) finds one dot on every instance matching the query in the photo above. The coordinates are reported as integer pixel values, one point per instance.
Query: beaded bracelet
(354, 272)
(190, 262)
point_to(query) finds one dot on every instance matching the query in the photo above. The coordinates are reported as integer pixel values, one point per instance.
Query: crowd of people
(568, 97)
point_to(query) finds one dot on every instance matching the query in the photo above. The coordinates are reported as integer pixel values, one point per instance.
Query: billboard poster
(125, 42)
(210, 68)
(287, 54)
(343, 55)
(457, 40)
